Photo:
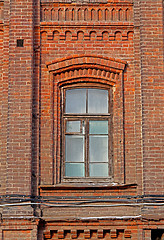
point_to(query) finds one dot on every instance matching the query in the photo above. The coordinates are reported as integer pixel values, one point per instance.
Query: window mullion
(63, 134)
(87, 148)
(86, 139)
(86, 100)
(110, 153)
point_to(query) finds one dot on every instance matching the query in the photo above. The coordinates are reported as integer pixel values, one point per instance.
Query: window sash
(87, 143)
(86, 105)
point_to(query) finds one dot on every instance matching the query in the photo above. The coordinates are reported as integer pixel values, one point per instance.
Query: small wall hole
(20, 42)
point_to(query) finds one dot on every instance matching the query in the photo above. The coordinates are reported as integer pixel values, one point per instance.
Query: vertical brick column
(2, 163)
(1, 74)
(4, 98)
(19, 76)
(152, 76)
(35, 99)
(138, 99)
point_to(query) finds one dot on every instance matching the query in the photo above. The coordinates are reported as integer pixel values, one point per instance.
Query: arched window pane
(76, 101)
(97, 101)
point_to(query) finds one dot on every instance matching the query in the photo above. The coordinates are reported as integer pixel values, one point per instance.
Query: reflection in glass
(97, 101)
(98, 170)
(74, 170)
(98, 127)
(76, 101)
(74, 148)
(73, 126)
(98, 148)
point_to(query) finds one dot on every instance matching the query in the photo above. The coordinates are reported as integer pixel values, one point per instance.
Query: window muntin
(86, 140)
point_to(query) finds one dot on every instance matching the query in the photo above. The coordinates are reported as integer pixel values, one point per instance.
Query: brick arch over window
(74, 71)
(98, 68)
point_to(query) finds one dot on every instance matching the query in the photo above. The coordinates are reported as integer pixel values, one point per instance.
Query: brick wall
(129, 33)
(152, 94)
(18, 72)
(17, 229)
(1, 90)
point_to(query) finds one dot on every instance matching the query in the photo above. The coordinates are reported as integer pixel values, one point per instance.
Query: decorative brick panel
(79, 231)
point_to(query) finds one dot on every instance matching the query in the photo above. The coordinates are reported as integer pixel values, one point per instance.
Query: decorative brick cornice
(105, 33)
(77, 11)
(87, 233)
(63, 62)
(91, 61)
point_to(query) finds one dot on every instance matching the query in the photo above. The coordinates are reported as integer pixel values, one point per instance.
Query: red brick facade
(116, 44)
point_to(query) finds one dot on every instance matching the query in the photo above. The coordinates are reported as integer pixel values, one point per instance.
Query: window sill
(87, 186)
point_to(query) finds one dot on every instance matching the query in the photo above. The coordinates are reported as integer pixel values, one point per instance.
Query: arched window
(86, 142)
(87, 131)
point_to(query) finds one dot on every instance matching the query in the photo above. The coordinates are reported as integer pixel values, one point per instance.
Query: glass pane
(74, 170)
(98, 170)
(97, 101)
(73, 126)
(75, 101)
(74, 148)
(98, 148)
(98, 127)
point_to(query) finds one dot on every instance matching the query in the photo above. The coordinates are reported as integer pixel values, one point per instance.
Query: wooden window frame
(86, 118)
